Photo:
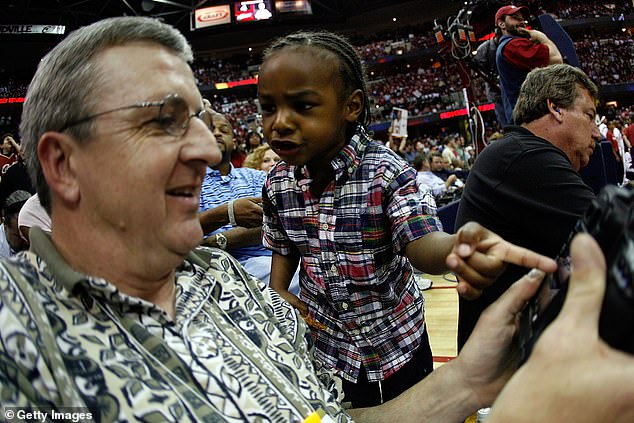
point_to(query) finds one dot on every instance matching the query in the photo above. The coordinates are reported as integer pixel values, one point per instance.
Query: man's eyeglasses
(173, 115)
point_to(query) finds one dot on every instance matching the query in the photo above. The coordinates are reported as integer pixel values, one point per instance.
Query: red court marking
(442, 359)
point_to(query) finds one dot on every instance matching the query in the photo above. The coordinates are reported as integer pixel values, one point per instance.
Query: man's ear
(554, 110)
(56, 152)
(354, 106)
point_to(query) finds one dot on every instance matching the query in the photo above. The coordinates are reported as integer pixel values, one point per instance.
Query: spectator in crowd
(526, 186)
(10, 154)
(223, 184)
(464, 151)
(624, 146)
(11, 240)
(253, 141)
(13, 173)
(612, 134)
(407, 151)
(427, 180)
(33, 214)
(520, 50)
(450, 152)
(349, 208)
(200, 339)
(262, 158)
(628, 132)
(441, 167)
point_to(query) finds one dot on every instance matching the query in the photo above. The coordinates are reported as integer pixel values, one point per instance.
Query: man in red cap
(520, 51)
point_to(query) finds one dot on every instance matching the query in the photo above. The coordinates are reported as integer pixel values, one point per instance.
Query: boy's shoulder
(377, 153)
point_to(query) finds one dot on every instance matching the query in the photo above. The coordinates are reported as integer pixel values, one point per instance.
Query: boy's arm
(282, 271)
(475, 254)
(429, 252)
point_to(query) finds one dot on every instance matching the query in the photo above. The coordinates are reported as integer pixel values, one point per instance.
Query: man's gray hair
(557, 83)
(67, 79)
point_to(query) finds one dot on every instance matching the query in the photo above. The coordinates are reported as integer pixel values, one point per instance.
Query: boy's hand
(479, 256)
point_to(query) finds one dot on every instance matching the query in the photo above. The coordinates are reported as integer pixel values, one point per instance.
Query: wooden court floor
(441, 315)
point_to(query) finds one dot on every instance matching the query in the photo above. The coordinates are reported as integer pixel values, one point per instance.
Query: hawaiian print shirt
(235, 352)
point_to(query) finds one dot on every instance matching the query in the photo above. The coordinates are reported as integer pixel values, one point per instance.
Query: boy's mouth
(283, 145)
(285, 149)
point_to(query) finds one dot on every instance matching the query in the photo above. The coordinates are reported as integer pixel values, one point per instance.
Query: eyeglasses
(173, 115)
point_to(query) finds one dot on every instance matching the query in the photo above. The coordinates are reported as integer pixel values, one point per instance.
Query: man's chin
(187, 240)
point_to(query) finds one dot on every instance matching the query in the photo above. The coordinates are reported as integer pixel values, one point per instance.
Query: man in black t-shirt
(526, 186)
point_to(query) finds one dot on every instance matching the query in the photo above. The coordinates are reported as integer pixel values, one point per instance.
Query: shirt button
(344, 306)
(350, 169)
(324, 226)
(304, 188)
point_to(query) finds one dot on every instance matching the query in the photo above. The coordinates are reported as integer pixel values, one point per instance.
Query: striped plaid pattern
(353, 277)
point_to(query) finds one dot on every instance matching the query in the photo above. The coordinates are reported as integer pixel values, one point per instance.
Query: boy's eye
(304, 106)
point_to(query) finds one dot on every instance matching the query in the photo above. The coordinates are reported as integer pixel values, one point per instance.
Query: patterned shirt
(354, 277)
(239, 183)
(68, 339)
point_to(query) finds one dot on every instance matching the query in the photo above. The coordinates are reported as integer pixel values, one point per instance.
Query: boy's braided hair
(352, 70)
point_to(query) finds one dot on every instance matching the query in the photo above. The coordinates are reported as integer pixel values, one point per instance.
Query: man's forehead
(151, 72)
(516, 15)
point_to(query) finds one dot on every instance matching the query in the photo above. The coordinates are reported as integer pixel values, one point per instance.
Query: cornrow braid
(352, 70)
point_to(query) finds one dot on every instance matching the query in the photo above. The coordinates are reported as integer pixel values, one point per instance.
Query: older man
(526, 187)
(112, 313)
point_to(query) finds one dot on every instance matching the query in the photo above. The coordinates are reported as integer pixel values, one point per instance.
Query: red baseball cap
(509, 10)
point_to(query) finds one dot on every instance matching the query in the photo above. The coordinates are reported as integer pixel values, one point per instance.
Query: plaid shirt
(356, 282)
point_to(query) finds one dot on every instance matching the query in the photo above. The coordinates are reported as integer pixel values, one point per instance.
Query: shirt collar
(347, 159)
(72, 280)
(215, 172)
(62, 273)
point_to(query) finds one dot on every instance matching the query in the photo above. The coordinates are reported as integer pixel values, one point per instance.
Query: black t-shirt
(524, 189)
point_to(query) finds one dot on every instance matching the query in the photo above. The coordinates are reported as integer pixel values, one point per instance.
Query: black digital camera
(610, 220)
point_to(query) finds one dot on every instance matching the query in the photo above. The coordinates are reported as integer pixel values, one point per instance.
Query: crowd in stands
(420, 89)
(397, 44)
(424, 90)
(211, 71)
(13, 88)
(574, 9)
(615, 62)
